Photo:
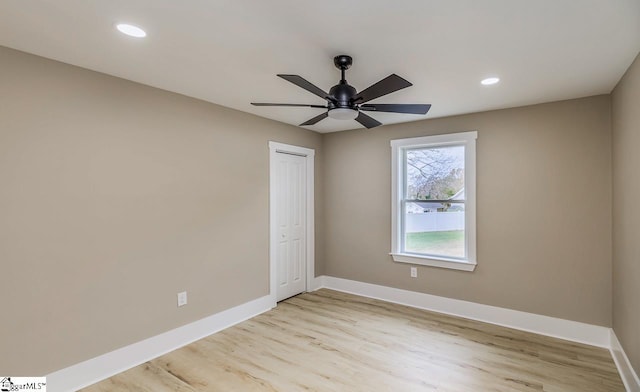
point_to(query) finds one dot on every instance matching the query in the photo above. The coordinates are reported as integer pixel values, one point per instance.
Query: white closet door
(291, 223)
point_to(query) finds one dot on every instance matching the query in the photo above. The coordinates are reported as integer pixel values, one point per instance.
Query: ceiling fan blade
(397, 108)
(316, 119)
(305, 84)
(368, 122)
(288, 104)
(386, 86)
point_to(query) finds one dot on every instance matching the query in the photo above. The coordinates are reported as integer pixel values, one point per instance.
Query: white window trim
(397, 174)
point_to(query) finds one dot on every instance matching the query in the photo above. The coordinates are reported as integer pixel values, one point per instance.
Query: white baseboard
(317, 283)
(93, 370)
(629, 376)
(544, 325)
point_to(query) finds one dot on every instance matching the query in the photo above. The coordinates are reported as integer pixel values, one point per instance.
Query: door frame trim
(309, 155)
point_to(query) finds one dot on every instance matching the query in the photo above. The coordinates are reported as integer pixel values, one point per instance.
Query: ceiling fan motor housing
(342, 95)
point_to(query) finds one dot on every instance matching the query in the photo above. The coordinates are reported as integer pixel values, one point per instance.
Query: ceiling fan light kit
(343, 114)
(345, 103)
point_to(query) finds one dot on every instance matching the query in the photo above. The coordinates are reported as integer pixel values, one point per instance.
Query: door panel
(283, 257)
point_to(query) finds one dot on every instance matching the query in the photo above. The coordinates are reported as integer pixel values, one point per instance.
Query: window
(433, 198)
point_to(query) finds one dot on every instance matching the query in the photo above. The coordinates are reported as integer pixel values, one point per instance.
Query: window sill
(441, 262)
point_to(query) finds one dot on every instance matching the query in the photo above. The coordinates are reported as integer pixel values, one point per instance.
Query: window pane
(435, 227)
(434, 173)
(439, 231)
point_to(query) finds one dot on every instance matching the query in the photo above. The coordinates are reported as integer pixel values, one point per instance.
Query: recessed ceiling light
(490, 81)
(131, 30)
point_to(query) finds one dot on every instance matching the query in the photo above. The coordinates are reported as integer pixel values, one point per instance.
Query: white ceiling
(229, 51)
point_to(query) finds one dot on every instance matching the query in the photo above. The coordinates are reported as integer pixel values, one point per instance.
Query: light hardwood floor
(331, 341)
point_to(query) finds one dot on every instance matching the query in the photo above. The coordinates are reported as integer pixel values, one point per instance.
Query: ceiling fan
(344, 102)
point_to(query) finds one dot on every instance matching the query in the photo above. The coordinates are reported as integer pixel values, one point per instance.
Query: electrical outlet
(414, 272)
(182, 298)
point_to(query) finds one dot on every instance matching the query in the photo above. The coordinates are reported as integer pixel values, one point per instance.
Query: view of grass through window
(434, 213)
(445, 243)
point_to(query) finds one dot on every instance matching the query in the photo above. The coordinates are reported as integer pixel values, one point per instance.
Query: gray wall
(115, 196)
(626, 212)
(544, 209)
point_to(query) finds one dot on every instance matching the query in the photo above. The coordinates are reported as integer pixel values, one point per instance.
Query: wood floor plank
(332, 341)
